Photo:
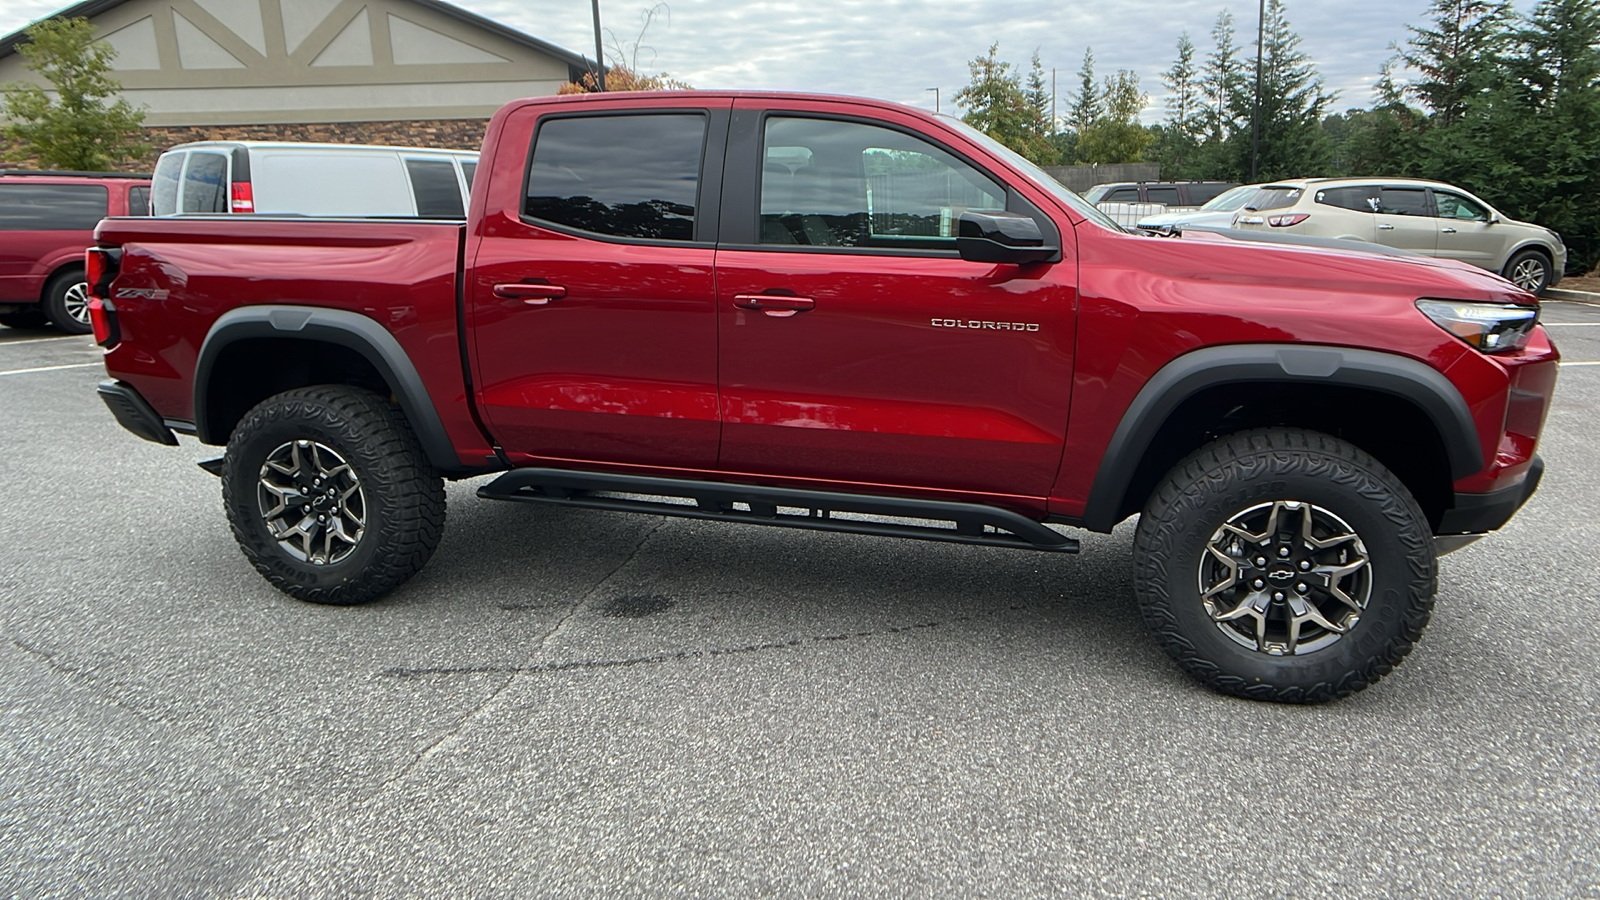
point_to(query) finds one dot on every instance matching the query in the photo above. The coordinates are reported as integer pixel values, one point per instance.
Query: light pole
(935, 97)
(599, 52)
(1255, 117)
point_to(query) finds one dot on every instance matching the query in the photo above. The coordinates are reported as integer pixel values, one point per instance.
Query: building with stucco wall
(408, 72)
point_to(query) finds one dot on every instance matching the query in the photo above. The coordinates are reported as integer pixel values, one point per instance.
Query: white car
(1425, 217)
(1216, 213)
(312, 180)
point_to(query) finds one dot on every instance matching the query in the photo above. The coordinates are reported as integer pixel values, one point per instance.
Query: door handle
(531, 294)
(1447, 230)
(1385, 227)
(776, 305)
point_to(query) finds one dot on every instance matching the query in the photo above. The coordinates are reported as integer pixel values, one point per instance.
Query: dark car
(46, 221)
(1167, 193)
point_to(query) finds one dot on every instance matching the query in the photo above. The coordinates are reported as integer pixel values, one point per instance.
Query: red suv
(46, 221)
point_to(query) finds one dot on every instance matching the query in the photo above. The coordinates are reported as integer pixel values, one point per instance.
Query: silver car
(1425, 217)
(1217, 213)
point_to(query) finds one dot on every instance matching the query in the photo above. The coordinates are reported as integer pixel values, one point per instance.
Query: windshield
(1040, 177)
(1232, 199)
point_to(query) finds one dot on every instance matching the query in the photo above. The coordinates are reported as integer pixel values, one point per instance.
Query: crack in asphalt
(105, 687)
(511, 672)
(681, 655)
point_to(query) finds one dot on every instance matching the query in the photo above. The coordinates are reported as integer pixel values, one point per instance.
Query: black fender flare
(1182, 378)
(334, 326)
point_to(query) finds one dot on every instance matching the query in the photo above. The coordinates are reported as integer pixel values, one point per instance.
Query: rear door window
(139, 200)
(164, 186)
(623, 176)
(1404, 202)
(438, 192)
(1121, 195)
(205, 184)
(1166, 195)
(1361, 198)
(52, 207)
(1275, 198)
(469, 168)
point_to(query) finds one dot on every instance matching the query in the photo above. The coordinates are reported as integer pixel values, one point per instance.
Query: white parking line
(1570, 324)
(23, 342)
(1587, 362)
(51, 368)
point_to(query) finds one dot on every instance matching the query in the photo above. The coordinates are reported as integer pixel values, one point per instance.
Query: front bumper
(135, 413)
(1478, 513)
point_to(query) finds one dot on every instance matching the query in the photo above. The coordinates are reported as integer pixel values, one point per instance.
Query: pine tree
(1293, 104)
(1459, 56)
(1086, 106)
(1181, 132)
(1117, 136)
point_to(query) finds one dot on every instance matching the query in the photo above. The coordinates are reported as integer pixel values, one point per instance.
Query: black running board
(970, 523)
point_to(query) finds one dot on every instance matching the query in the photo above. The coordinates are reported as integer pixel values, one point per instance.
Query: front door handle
(1385, 227)
(776, 305)
(1447, 230)
(531, 294)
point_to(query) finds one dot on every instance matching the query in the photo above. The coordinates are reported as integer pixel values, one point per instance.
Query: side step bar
(970, 523)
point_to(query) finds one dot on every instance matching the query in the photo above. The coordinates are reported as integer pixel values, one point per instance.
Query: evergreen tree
(1459, 56)
(1086, 107)
(1117, 136)
(1226, 98)
(1293, 103)
(1180, 134)
(998, 106)
(77, 129)
(1038, 95)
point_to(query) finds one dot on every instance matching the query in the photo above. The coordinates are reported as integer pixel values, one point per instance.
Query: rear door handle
(1447, 231)
(531, 294)
(1385, 227)
(776, 305)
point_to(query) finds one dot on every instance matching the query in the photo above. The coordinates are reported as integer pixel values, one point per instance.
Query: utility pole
(599, 51)
(925, 90)
(1053, 128)
(1255, 117)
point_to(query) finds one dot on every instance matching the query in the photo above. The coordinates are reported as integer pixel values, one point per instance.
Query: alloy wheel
(1529, 274)
(312, 502)
(1285, 578)
(76, 302)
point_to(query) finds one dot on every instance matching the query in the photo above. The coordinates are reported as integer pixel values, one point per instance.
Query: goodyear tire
(1287, 565)
(330, 496)
(66, 302)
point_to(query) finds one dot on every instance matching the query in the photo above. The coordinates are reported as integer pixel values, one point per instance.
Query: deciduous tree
(77, 128)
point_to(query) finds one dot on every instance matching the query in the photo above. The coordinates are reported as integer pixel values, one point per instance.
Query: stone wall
(446, 134)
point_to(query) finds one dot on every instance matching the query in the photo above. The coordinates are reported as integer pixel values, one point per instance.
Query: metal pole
(1255, 117)
(935, 97)
(599, 51)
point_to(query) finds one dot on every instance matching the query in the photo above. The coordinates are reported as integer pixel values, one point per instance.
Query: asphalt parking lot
(577, 703)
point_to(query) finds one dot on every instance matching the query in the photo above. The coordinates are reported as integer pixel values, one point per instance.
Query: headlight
(1490, 327)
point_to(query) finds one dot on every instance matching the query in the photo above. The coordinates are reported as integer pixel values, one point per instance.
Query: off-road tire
(1520, 267)
(1247, 470)
(63, 293)
(403, 497)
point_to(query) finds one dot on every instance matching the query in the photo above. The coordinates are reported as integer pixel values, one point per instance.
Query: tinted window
(139, 201)
(1275, 198)
(205, 184)
(1403, 202)
(1122, 195)
(1455, 206)
(164, 187)
(433, 183)
(51, 207)
(844, 184)
(1164, 195)
(1362, 198)
(627, 176)
(1202, 194)
(469, 169)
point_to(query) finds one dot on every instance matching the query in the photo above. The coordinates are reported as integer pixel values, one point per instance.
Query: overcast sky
(896, 49)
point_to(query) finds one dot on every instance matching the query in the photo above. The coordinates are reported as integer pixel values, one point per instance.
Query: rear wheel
(1287, 565)
(66, 302)
(330, 496)
(1529, 270)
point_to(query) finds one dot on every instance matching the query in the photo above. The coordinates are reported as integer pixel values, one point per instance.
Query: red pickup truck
(846, 315)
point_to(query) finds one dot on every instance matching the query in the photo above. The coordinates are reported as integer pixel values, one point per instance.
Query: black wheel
(28, 318)
(330, 496)
(1529, 270)
(1287, 565)
(66, 302)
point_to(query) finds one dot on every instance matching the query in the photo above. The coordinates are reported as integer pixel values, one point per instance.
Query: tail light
(1285, 221)
(100, 266)
(243, 199)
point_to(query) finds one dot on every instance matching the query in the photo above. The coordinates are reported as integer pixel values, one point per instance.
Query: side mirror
(1002, 237)
(1494, 219)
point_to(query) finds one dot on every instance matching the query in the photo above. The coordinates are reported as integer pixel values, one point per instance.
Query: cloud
(897, 49)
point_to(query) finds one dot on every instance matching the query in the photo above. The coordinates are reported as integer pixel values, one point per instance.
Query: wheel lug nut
(322, 518)
(1261, 561)
(1283, 551)
(1278, 595)
(1302, 587)
(1258, 584)
(1305, 565)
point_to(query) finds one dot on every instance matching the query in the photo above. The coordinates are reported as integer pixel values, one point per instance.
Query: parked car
(313, 179)
(1426, 217)
(1217, 212)
(1166, 193)
(46, 221)
(844, 315)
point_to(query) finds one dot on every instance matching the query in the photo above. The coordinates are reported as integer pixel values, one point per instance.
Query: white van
(312, 180)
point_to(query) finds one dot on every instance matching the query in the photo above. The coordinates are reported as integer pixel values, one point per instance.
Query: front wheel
(330, 496)
(1282, 564)
(66, 302)
(1529, 270)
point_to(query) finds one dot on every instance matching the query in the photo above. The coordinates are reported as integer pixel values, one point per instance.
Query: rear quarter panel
(179, 275)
